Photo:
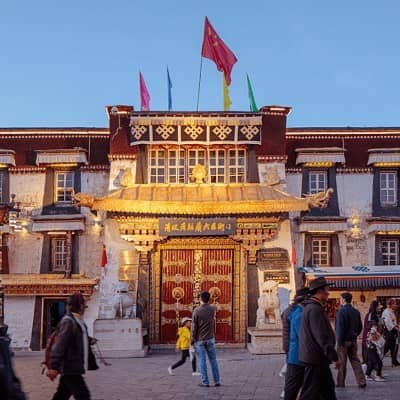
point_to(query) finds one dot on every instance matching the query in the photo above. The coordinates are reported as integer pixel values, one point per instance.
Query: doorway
(53, 311)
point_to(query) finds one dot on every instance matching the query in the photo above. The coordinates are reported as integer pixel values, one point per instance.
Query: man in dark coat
(70, 354)
(348, 328)
(317, 345)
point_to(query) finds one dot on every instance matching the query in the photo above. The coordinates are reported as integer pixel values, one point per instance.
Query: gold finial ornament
(199, 173)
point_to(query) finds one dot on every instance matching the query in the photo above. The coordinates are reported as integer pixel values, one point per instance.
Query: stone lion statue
(268, 305)
(122, 301)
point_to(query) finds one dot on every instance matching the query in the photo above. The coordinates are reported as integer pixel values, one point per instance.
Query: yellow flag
(227, 99)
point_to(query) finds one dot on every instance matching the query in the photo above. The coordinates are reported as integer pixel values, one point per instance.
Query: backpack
(46, 364)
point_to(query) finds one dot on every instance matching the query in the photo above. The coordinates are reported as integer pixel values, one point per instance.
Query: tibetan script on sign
(277, 276)
(197, 226)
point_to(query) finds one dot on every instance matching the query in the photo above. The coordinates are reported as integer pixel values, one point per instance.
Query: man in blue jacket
(295, 371)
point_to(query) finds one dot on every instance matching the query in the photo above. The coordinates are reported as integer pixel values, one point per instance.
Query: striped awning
(361, 283)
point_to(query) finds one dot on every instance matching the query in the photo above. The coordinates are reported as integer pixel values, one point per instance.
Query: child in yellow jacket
(183, 345)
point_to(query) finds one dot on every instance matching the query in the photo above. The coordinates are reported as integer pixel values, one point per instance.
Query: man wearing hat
(295, 370)
(317, 344)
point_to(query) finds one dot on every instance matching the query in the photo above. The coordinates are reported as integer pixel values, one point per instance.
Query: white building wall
(117, 169)
(18, 313)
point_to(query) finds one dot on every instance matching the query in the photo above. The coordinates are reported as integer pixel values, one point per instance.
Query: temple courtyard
(244, 376)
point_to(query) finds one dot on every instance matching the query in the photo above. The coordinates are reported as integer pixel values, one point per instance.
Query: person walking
(10, 385)
(203, 337)
(183, 345)
(71, 353)
(375, 348)
(348, 328)
(295, 370)
(391, 330)
(317, 345)
(372, 317)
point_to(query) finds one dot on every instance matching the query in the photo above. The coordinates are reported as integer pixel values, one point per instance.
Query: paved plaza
(245, 376)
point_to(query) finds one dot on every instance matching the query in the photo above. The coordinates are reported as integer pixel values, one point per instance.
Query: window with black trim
(390, 251)
(388, 188)
(64, 187)
(321, 251)
(318, 181)
(59, 254)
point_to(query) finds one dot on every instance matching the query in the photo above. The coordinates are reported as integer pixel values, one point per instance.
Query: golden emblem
(199, 173)
(178, 293)
(215, 293)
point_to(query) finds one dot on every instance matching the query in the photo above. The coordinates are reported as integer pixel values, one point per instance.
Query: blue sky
(335, 63)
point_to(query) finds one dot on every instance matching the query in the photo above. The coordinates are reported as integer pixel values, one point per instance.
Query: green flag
(252, 100)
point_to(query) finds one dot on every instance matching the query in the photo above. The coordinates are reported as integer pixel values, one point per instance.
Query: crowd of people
(309, 341)
(312, 345)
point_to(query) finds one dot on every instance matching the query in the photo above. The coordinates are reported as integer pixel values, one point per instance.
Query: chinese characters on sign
(197, 226)
(275, 263)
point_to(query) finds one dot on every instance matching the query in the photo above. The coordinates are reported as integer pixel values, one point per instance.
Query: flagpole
(198, 88)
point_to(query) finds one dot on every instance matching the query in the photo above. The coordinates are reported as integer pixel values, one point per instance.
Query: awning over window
(384, 156)
(383, 227)
(357, 277)
(314, 155)
(61, 156)
(323, 226)
(7, 157)
(58, 223)
(46, 285)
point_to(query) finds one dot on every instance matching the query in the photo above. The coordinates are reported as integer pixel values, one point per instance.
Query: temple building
(177, 202)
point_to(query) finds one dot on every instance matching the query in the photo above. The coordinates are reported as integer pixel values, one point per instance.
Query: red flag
(144, 94)
(216, 50)
(294, 254)
(103, 257)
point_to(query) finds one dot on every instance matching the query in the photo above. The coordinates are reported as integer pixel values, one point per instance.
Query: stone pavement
(244, 376)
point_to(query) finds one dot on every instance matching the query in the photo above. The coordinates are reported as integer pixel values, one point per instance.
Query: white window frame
(64, 190)
(157, 169)
(176, 166)
(217, 166)
(388, 188)
(237, 170)
(321, 251)
(315, 183)
(391, 251)
(59, 254)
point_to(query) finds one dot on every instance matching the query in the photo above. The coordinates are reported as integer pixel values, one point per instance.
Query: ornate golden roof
(198, 199)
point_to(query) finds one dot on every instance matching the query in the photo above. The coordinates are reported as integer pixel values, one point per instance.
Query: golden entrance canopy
(46, 285)
(201, 199)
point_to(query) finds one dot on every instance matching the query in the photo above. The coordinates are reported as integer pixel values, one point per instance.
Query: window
(64, 186)
(58, 254)
(176, 166)
(321, 252)
(157, 166)
(390, 252)
(195, 156)
(388, 188)
(217, 166)
(237, 166)
(318, 182)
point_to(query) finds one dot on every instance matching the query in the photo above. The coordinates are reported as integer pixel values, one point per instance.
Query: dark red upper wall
(25, 141)
(356, 142)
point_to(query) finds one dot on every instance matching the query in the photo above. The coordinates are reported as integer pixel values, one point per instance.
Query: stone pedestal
(265, 341)
(120, 337)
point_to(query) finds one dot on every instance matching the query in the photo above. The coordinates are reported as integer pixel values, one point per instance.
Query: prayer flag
(144, 94)
(216, 50)
(169, 91)
(103, 257)
(252, 100)
(227, 99)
